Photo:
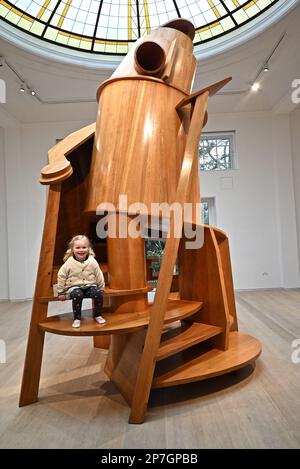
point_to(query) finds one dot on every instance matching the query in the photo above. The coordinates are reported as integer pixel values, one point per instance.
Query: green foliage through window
(216, 151)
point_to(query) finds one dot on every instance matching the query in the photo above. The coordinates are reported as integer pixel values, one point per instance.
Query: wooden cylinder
(127, 270)
(181, 78)
(150, 58)
(139, 144)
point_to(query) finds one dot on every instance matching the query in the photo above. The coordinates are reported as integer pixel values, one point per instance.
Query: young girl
(81, 277)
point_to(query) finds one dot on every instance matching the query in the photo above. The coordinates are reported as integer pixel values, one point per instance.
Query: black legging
(79, 293)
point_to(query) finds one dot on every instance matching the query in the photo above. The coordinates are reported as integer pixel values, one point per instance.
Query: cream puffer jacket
(75, 273)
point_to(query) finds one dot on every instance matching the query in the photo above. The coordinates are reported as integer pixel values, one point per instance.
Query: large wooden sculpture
(144, 147)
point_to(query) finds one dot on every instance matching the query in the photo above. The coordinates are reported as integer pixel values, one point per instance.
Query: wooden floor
(80, 408)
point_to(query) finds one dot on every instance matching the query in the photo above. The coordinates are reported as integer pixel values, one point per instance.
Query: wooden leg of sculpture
(127, 270)
(226, 264)
(34, 352)
(127, 267)
(147, 363)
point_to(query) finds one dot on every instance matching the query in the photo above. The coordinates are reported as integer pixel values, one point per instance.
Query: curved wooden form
(119, 323)
(128, 156)
(149, 58)
(210, 362)
(144, 147)
(59, 168)
(182, 67)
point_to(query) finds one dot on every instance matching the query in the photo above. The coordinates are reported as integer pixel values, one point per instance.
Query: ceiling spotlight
(255, 86)
(22, 88)
(32, 92)
(266, 68)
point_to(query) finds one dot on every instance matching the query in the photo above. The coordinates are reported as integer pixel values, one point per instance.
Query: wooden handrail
(152, 341)
(212, 89)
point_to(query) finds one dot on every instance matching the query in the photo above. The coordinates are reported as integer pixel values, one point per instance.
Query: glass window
(216, 151)
(208, 211)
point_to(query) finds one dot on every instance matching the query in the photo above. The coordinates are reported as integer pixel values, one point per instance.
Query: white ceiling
(57, 83)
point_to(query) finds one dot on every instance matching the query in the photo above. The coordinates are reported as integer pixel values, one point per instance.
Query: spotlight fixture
(255, 86)
(32, 92)
(22, 88)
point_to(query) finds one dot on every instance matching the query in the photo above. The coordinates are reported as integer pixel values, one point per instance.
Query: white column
(16, 235)
(295, 131)
(3, 224)
(286, 213)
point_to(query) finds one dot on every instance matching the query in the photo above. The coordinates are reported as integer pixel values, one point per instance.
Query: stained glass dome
(111, 26)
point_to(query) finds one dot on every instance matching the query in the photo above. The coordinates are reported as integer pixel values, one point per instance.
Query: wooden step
(107, 292)
(203, 361)
(184, 337)
(117, 323)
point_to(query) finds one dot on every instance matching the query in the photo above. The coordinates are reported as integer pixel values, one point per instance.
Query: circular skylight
(111, 26)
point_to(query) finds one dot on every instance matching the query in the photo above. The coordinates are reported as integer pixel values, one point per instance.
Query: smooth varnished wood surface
(211, 89)
(223, 245)
(210, 362)
(145, 148)
(59, 168)
(117, 323)
(146, 368)
(127, 270)
(183, 69)
(201, 277)
(123, 360)
(132, 156)
(35, 344)
(184, 337)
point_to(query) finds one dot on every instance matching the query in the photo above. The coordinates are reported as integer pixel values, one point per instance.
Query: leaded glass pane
(110, 26)
(216, 151)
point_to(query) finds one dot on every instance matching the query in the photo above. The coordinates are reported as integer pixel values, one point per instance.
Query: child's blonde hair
(69, 251)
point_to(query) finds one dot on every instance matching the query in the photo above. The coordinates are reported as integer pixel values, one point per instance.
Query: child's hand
(62, 297)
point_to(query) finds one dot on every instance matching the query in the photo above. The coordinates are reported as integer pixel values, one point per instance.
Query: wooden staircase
(185, 336)
(205, 361)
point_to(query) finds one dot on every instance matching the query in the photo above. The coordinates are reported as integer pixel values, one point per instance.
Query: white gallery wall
(4, 293)
(295, 141)
(254, 204)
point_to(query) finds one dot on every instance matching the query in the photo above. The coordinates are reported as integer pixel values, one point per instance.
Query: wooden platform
(118, 323)
(107, 292)
(202, 362)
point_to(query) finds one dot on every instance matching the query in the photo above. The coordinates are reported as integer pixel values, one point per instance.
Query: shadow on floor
(185, 392)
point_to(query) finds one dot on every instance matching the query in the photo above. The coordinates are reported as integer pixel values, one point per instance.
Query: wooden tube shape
(149, 58)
